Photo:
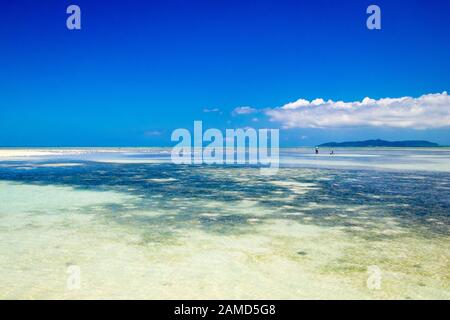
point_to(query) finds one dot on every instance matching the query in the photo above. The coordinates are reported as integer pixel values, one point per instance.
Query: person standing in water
(317, 150)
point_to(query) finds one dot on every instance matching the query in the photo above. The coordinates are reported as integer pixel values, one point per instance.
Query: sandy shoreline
(39, 152)
(6, 153)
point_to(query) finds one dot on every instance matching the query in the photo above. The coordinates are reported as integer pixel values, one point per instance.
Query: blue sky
(139, 69)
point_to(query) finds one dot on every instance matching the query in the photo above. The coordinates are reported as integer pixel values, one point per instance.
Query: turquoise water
(138, 226)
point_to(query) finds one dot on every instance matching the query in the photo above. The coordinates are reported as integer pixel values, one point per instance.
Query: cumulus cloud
(244, 110)
(425, 112)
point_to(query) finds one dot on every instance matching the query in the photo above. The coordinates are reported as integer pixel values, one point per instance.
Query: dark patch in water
(381, 195)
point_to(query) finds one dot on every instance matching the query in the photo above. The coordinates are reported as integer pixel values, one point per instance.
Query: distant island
(381, 143)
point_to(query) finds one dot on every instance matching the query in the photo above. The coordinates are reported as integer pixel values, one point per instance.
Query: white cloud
(206, 110)
(426, 112)
(244, 110)
(152, 133)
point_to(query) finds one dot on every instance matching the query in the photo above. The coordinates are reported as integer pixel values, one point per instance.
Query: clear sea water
(138, 226)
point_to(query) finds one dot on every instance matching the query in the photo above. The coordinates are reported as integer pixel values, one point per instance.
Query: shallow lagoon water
(140, 227)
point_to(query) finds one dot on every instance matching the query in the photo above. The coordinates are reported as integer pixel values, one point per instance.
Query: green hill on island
(381, 143)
